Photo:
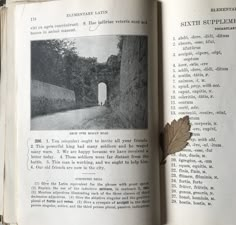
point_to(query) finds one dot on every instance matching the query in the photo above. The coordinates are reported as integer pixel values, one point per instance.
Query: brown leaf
(176, 136)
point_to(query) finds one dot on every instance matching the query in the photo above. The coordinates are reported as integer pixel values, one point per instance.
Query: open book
(86, 89)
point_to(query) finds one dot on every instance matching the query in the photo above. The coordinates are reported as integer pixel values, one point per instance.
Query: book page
(199, 81)
(84, 123)
(2, 119)
(8, 116)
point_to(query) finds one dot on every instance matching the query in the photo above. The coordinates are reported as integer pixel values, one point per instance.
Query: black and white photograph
(95, 82)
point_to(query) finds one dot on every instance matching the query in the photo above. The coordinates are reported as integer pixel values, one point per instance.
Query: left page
(83, 72)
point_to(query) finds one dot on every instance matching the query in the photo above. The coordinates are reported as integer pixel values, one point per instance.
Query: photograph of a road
(96, 82)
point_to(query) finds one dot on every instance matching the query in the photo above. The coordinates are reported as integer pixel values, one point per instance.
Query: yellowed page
(74, 167)
(2, 117)
(10, 155)
(199, 81)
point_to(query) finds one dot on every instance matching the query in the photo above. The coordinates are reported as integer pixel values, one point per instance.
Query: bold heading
(207, 22)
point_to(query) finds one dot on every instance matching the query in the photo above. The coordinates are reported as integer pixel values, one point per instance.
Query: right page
(199, 68)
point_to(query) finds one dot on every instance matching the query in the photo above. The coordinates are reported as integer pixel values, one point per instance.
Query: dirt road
(98, 117)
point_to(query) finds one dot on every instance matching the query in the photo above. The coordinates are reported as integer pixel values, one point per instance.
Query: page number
(33, 19)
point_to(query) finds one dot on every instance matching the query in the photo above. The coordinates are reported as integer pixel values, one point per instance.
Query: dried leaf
(176, 136)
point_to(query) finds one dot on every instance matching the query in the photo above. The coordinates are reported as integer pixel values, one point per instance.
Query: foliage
(176, 136)
(58, 62)
(48, 61)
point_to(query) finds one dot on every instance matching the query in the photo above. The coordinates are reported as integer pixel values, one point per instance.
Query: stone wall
(47, 98)
(133, 97)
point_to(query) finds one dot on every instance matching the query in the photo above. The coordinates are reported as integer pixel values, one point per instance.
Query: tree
(49, 59)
